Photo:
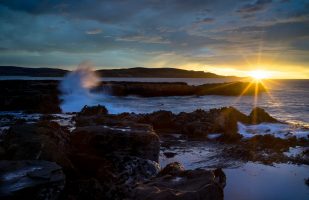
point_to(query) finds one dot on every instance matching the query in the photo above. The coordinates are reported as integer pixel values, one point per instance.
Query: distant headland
(127, 72)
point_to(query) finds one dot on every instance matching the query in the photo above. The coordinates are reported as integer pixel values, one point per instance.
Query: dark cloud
(131, 32)
(206, 20)
(258, 5)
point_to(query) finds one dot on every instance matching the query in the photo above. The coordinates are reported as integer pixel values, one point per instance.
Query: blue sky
(227, 37)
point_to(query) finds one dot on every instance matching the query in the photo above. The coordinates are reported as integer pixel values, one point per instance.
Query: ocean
(286, 100)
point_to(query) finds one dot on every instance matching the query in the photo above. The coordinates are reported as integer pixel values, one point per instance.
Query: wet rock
(261, 142)
(197, 129)
(220, 177)
(30, 179)
(37, 141)
(132, 139)
(172, 169)
(190, 184)
(307, 182)
(129, 172)
(198, 124)
(259, 115)
(116, 175)
(226, 120)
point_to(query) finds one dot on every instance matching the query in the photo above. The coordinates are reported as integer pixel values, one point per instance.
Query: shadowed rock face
(30, 180)
(30, 96)
(38, 141)
(134, 140)
(176, 183)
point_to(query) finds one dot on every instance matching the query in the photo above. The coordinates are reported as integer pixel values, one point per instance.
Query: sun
(259, 74)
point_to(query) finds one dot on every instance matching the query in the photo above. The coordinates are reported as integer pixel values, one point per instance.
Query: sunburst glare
(259, 74)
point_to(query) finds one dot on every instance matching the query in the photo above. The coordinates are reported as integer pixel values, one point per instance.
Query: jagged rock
(93, 110)
(259, 115)
(131, 139)
(161, 119)
(197, 124)
(226, 120)
(31, 179)
(182, 185)
(37, 141)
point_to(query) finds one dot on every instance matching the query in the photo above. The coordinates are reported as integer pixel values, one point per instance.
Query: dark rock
(37, 141)
(226, 120)
(43, 95)
(220, 177)
(162, 119)
(259, 115)
(169, 154)
(197, 129)
(116, 175)
(172, 169)
(197, 124)
(131, 139)
(179, 89)
(191, 184)
(260, 142)
(86, 188)
(307, 181)
(93, 110)
(31, 179)
(30, 96)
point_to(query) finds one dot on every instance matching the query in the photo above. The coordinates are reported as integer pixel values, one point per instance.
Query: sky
(227, 37)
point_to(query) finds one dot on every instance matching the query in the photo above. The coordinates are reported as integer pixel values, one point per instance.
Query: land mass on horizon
(127, 72)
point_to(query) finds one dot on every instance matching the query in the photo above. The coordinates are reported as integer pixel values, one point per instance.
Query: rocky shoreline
(42, 96)
(110, 156)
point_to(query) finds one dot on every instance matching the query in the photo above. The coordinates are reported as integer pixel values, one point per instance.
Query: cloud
(94, 31)
(144, 39)
(206, 20)
(258, 5)
(132, 32)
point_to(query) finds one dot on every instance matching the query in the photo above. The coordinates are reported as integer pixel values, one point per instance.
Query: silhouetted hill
(156, 72)
(130, 72)
(36, 72)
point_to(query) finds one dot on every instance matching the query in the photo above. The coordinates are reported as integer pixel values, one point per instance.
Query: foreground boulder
(37, 141)
(31, 179)
(177, 183)
(129, 139)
